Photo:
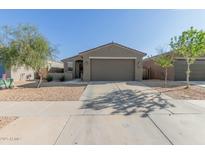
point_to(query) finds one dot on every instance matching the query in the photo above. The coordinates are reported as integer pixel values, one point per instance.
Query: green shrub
(49, 78)
(62, 78)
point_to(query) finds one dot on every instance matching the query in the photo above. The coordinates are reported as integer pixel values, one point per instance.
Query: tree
(191, 45)
(8, 52)
(165, 60)
(25, 46)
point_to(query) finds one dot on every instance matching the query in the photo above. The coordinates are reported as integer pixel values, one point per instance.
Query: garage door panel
(112, 69)
(197, 70)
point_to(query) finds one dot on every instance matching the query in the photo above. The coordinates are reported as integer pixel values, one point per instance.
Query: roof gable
(111, 44)
(104, 46)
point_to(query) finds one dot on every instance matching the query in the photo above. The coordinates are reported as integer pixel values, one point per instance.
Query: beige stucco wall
(112, 51)
(155, 71)
(21, 73)
(57, 76)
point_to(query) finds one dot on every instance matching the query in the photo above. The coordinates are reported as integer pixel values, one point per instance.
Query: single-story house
(109, 62)
(23, 73)
(151, 70)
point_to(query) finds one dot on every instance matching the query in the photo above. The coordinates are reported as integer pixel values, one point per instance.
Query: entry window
(70, 66)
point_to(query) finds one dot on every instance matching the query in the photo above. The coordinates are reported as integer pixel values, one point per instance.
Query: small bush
(62, 78)
(49, 78)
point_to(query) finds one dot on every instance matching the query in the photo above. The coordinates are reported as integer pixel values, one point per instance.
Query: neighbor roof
(152, 57)
(69, 58)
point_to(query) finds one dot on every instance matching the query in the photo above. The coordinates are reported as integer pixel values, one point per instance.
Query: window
(70, 66)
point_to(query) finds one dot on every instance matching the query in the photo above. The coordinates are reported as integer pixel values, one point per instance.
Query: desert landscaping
(49, 91)
(177, 89)
(62, 91)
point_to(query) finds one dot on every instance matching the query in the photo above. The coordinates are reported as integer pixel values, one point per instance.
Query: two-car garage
(197, 70)
(112, 69)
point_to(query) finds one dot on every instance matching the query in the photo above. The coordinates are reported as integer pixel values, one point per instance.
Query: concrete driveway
(199, 83)
(107, 113)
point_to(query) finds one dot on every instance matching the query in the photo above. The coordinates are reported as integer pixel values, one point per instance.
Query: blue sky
(73, 31)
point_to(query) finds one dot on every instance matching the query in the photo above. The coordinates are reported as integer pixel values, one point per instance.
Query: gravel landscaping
(49, 91)
(4, 121)
(178, 90)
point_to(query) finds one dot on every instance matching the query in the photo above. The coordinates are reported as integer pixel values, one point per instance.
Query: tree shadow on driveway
(128, 102)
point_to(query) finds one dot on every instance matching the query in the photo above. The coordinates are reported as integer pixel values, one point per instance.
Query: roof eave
(87, 51)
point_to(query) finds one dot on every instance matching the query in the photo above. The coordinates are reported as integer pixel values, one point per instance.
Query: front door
(79, 69)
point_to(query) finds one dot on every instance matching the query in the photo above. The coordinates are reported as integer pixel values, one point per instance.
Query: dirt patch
(52, 91)
(178, 90)
(4, 121)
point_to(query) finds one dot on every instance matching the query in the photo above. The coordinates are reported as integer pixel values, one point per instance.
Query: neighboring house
(151, 70)
(109, 62)
(23, 73)
(53, 68)
(178, 72)
(17, 73)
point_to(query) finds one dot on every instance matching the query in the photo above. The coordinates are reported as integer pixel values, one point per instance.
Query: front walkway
(107, 113)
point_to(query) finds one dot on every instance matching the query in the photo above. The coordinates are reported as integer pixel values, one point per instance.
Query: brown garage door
(197, 70)
(112, 69)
